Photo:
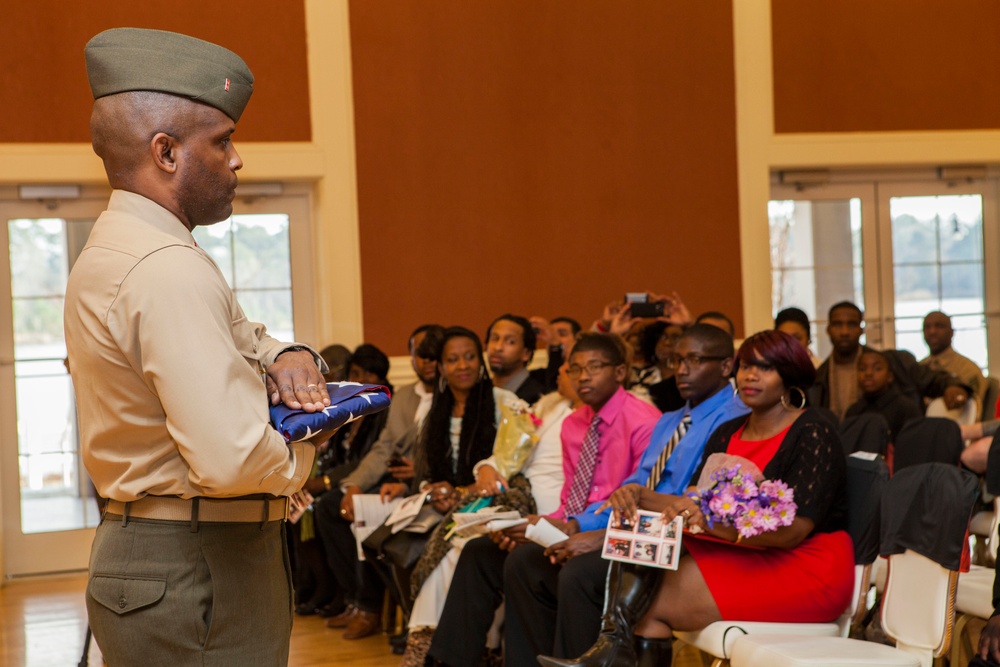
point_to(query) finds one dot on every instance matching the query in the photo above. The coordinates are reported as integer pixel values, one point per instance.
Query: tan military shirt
(167, 370)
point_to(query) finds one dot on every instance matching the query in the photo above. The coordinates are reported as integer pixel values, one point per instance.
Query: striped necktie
(661, 460)
(576, 502)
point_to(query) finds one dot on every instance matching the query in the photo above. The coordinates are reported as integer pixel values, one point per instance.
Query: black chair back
(868, 432)
(867, 475)
(927, 440)
(927, 508)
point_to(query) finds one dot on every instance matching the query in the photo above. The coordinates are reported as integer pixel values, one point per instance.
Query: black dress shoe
(330, 610)
(398, 643)
(305, 609)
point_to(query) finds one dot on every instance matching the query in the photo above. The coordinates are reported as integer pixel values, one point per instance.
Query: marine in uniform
(189, 565)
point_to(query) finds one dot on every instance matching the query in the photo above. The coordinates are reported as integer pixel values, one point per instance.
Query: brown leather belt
(222, 510)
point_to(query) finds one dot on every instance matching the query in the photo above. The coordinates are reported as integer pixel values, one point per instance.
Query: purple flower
(723, 505)
(735, 499)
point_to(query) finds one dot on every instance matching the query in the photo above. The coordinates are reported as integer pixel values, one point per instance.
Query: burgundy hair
(782, 351)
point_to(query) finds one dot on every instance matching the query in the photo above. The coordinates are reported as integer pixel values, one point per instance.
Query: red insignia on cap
(227, 85)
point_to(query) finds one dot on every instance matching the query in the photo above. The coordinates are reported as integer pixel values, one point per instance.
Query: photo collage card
(648, 541)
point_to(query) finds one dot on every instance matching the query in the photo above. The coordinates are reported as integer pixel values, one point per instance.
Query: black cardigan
(809, 460)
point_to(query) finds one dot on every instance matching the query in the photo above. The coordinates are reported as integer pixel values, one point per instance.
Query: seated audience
(836, 386)
(795, 323)
(938, 335)
(510, 344)
(358, 583)
(880, 395)
(722, 579)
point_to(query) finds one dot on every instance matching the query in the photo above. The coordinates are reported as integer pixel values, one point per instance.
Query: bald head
(938, 332)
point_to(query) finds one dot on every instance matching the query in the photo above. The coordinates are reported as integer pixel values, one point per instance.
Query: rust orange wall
(44, 97)
(542, 158)
(858, 65)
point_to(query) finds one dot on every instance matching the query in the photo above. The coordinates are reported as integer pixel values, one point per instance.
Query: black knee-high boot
(630, 591)
(653, 652)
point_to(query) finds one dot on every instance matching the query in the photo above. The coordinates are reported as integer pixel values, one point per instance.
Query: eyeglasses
(592, 368)
(692, 361)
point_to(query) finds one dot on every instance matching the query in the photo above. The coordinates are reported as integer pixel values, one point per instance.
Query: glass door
(822, 250)
(49, 506)
(938, 248)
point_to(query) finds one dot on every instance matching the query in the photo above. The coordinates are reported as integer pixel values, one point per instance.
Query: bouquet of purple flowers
(733, 492)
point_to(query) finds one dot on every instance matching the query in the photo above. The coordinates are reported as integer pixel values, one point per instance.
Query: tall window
(937, 251)
(254, 255)
(815, 257)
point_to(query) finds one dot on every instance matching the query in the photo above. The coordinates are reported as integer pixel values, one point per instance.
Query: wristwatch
(293, 348)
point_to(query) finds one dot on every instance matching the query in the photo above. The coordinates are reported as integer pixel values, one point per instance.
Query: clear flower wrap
(516, 438)
(733, 492)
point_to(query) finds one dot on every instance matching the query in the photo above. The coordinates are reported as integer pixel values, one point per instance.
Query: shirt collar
(710, 404)
(609, 411)
(516, 380)
(150, 213)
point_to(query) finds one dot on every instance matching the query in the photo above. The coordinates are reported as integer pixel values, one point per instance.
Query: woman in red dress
(799, 573)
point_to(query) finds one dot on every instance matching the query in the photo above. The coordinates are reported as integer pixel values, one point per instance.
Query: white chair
(984, 527)
(866, 475)
(967, 414)
(717, 639)
(918, 611)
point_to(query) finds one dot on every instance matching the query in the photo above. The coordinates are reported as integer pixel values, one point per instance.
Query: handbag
(402, 549)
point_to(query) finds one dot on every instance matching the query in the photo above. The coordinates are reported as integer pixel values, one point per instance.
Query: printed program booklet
(648, 541)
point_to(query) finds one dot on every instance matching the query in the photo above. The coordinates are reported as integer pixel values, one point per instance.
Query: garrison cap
(126, 59)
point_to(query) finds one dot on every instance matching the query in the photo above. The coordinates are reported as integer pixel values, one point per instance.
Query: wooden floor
(43, 622)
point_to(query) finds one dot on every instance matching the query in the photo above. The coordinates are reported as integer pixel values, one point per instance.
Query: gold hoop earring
(787, 404)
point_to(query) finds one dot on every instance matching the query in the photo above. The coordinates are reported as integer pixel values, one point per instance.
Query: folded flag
(348, 401)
